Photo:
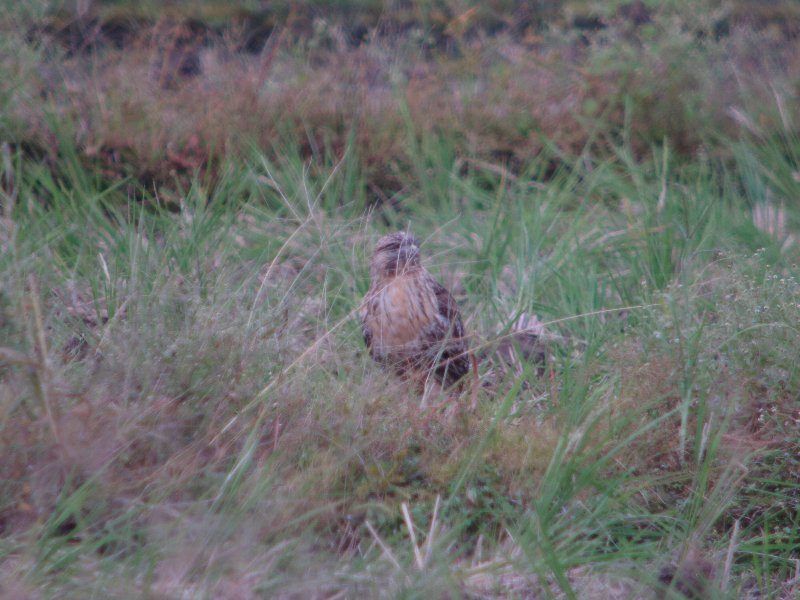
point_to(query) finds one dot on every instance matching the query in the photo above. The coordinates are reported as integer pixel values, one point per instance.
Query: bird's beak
(407, 253)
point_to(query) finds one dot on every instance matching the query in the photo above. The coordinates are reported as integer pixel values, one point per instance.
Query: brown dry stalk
(40, 375)
(475, 381)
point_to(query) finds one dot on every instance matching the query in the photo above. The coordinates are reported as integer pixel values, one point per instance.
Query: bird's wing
(451, 316)
(449, 338)
(365, 330)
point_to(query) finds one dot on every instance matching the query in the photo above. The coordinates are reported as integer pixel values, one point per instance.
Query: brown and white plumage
(411, 323)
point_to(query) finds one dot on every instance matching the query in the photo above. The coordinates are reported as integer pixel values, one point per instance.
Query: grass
(186, 406)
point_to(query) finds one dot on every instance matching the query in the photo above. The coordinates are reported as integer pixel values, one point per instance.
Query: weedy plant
(187, 408)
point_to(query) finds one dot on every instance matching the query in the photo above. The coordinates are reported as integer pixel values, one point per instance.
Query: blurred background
(155, 90)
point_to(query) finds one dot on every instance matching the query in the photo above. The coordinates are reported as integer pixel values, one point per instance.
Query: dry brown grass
(174, 98)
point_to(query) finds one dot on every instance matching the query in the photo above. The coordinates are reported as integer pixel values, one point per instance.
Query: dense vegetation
(189, 197)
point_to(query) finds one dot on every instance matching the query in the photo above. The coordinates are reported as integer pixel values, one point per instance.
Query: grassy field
(189, 197)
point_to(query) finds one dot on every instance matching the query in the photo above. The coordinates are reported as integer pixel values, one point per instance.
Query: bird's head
(395, 254)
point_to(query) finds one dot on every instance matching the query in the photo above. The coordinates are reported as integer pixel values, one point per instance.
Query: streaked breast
(400, 311)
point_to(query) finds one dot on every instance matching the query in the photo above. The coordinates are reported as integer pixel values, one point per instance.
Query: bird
(411, 323)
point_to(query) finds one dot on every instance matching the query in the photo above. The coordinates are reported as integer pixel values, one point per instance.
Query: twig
(40, 375)
(276, 433)
(476, 381)
(413, 536)
(384, 547)
(432, 530)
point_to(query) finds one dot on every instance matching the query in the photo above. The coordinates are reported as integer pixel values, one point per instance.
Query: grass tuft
(186, 405)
